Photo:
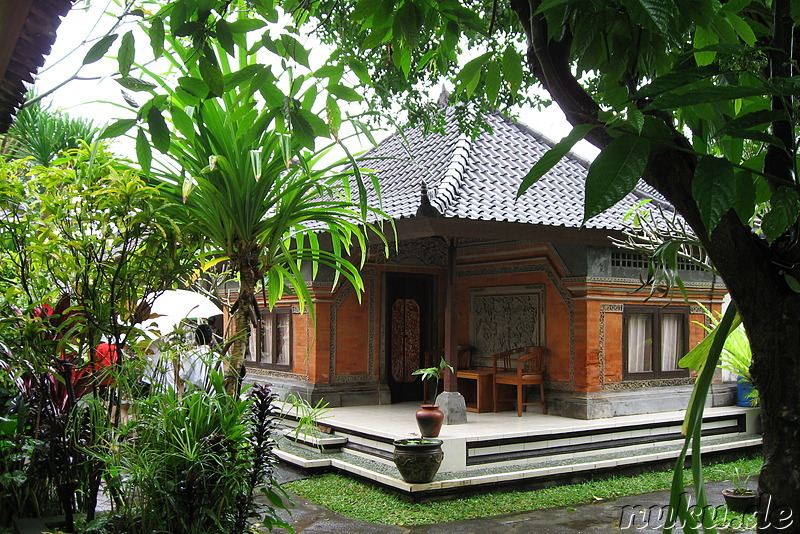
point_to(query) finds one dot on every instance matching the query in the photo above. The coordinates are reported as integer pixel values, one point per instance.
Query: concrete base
(454, 407)
(336, 395)
(605, 404)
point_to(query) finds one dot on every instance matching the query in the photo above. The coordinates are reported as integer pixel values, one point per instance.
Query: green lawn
(367, 502)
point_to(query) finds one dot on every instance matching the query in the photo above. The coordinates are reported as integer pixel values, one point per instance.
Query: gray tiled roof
(479, 179)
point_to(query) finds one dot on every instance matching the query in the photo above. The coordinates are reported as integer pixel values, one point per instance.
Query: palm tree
(43, 134)
(261, 206)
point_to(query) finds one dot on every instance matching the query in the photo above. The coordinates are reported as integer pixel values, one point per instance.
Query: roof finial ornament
(444, 98)
(425, 208)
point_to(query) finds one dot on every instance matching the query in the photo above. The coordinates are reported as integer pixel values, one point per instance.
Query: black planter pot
(418, 459)
(742, 503)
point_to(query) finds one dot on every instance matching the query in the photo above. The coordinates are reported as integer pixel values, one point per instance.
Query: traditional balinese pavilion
(476, 267)
(476, 272)
(27, 33)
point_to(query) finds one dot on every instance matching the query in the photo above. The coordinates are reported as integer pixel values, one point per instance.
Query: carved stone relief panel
(502, 318)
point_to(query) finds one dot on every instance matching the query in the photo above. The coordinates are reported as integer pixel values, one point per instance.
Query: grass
(366, 502)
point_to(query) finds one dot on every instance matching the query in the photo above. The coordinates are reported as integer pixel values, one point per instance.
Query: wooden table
(476, 387)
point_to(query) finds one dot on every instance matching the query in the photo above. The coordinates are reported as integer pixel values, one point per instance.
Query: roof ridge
(450, 186)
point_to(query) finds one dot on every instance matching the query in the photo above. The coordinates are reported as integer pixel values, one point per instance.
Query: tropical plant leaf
(712, 189)
(211, 73)
(655, 14)
(553, 156)
(99, 49)
(674, 80)
(614, 173)
(159, 132)
(135, 84)
(117, 128)
(143, 152)
(784, 207)
(752, 120)
(706, 95)
(127, 50)
(156, 34)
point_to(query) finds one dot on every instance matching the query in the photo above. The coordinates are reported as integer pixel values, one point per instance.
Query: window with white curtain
(655, 339)
(271, 342)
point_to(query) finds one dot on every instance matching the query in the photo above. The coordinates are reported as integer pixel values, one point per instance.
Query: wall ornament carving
(427, 251)
(556, 281)
(260, 371)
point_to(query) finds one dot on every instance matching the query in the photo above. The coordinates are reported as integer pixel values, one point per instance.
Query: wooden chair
(520, 367)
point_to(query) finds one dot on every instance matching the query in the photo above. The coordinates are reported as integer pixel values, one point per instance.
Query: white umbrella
(175, 305)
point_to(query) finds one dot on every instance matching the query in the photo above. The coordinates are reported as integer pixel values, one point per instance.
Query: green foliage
(196, 463)
(436, 372)
(307, 415)
(43, 134)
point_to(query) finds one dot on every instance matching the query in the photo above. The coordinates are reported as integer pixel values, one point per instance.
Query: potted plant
(418, 459)
(737, 358)
(740, 498)
(429, 416)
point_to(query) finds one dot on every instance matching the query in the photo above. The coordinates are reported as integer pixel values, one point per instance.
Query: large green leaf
(344, 92)
(674, 80)
(127, 50)
(783, 212)
(135, 84)
(752, 120)
(470, 73)
(159, 132)
(553, 156)
(117, 128)
(143, 152)
(156, 34)
(712, 189)
(211, 73)
(614, 173)
(654, 14)
(99, 49)
(706, 95)
(225, 36)
(512, 68)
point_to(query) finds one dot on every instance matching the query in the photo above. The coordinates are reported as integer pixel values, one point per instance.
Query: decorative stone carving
(430, 252)
(499, 322)
(559, 286)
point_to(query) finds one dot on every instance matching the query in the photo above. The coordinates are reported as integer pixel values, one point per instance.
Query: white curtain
(283, 331)
(671, 340)
(640, 343)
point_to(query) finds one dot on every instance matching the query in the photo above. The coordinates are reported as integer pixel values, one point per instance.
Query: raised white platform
(495, 448)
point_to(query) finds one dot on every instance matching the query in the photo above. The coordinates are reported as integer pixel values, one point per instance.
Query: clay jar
(418, 459)
(429, 420)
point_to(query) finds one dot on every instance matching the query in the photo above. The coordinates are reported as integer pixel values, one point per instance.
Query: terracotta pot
(742, 503)
(429, 420)
(418, 459)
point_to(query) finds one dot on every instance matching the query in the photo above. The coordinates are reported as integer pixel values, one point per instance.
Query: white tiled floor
(397, 421)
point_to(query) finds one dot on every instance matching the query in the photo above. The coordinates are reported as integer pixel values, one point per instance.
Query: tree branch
(549, 62)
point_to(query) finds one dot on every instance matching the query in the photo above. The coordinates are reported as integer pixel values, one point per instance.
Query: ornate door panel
(405, 348)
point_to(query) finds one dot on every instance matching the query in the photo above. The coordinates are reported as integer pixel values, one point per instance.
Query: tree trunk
(242, 322)
(770, 310)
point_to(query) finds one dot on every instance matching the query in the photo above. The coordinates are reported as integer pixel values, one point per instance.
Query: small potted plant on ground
(740, 498)
(418, 459)
(429, 416)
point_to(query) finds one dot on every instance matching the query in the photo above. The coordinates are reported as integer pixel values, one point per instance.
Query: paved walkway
(602, 517)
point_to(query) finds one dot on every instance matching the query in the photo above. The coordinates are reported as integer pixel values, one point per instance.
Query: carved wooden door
(408, 313)
(405, 347)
